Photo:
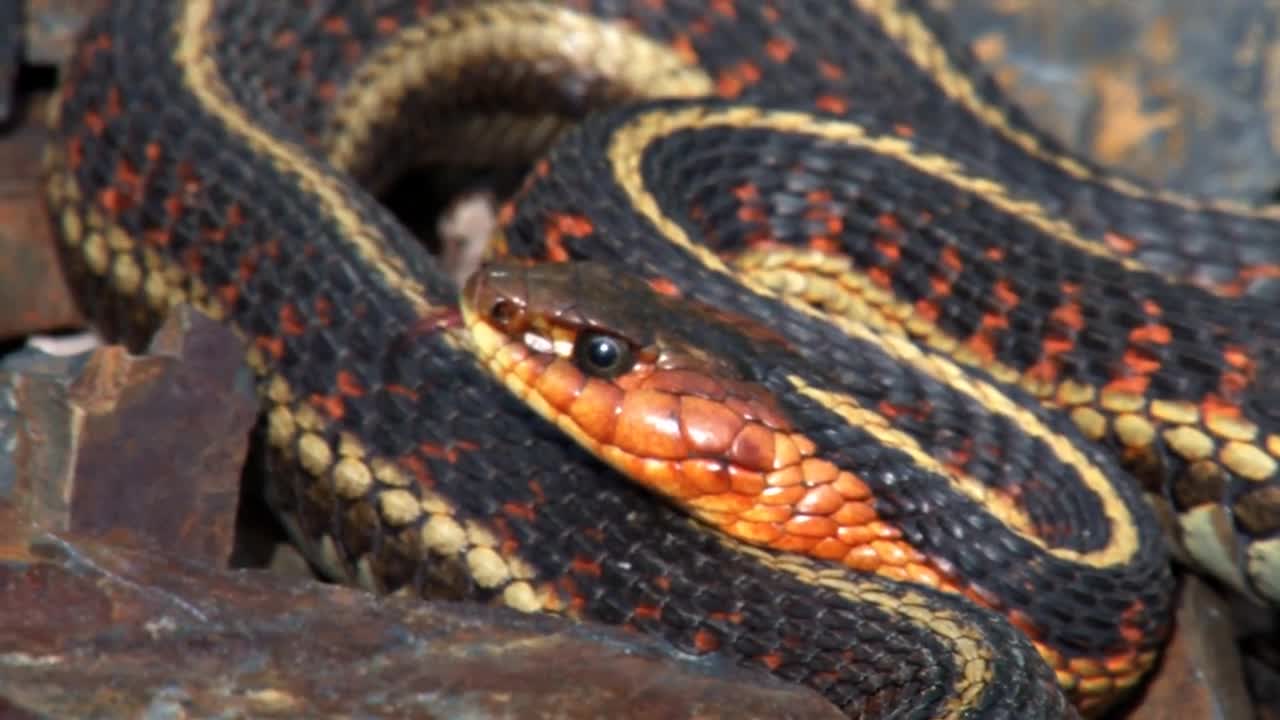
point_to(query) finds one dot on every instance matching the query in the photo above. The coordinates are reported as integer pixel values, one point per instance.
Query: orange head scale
(674, 394)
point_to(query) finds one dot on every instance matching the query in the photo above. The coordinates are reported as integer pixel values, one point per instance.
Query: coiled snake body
(878, 299)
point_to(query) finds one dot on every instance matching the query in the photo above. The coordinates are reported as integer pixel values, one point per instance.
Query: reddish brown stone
(1200, 675)
(99, 630)
(33, 295)
(51, 28)
(111, 444)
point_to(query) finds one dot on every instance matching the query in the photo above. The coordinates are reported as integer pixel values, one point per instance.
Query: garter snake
(918, 246)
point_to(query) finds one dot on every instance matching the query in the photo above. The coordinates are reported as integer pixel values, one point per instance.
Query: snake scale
(854, 385)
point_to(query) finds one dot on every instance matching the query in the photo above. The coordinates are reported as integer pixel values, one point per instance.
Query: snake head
(652, 384)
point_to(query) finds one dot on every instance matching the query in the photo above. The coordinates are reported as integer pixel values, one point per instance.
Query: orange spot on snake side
(983, 345)
(402, 391)
(331, 405)
(721, 616)
(1132, 385)
(889, 222)
(648, 612)
(113, 200)
(941, 285)
(683, 47)
(1219, 407)
(1141, 361)
(524, 511)
(950, 259)
(773, 661)
(1005, 294)
(75, 153)
(156, 237)
(1237, 358)
(779, 49)
(1120, 243)
(113, 105)
(830, 70)
(1069, 314)
(1024, 623)
(1156, 334)
(752, 214)
(1233, 383)
(227, 294)
(888, 248)
(557, 226)
(273, 346)
(831, 103)
(449, 452)
(746, 192)
(349, 385)
(824, 244)
(323, 314)
(1046, 370)
(585, 566)
(664, 287)
(928, 310)
(706, 641)
(728, 85)
(880, 277)
(336, 25)
(419, 470)
(291, 322)
(725, 8)
(94, 122)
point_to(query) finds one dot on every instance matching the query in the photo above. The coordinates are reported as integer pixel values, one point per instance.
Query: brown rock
(111, 444)
(51, 27)
(1200, 675)
(98, 630)
(33, 295)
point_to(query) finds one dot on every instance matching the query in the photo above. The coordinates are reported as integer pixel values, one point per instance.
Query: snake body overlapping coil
(851, 184)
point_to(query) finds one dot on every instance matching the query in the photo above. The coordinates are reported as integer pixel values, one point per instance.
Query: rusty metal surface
(1183, 93)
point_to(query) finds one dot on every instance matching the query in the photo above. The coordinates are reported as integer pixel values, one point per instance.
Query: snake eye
(505, 314)
(602, 355)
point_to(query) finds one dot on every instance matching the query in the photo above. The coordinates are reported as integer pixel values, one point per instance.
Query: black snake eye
(602, 355)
